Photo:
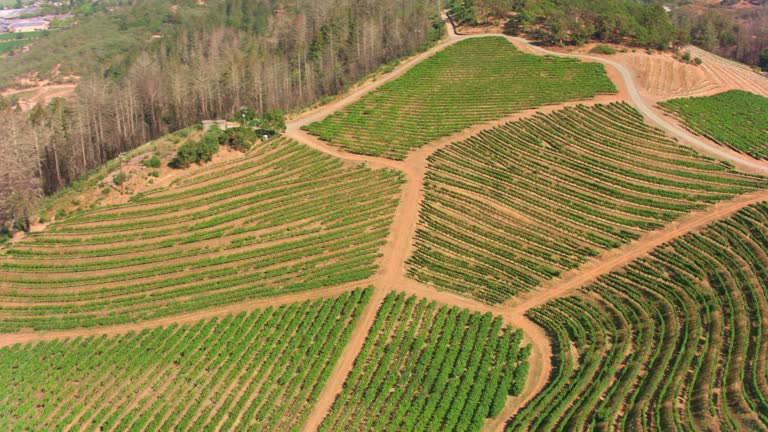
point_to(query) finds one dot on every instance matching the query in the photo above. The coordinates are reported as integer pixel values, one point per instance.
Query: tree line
(573, 22)
(217, 58)
(742, 36)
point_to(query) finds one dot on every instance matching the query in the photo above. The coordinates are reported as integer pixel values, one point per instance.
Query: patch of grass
(603, 49)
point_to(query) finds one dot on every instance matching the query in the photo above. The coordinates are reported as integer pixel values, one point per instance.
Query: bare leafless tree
(20, 184)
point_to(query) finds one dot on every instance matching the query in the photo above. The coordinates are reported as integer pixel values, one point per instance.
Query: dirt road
(657, 118)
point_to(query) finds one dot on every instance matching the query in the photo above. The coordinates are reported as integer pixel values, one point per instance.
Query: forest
(201, 61)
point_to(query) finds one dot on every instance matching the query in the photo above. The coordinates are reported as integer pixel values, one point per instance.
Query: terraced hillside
(284, 218)
(675, 341)
(730, 73)
(737, 119)
(521, 203)
(472, 81)
(663, 76)
(430, 368)
(256, 371)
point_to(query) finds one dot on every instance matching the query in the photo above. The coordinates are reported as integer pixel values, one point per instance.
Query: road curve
(741, 161)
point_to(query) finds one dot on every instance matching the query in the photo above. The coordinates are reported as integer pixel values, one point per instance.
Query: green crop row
(675, 341)
(430, 368)
(736, 118)
(470, 82)
(524, 202)
(262, 370)
(291, 219)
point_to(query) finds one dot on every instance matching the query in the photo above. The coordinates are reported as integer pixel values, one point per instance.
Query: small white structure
(222, 124)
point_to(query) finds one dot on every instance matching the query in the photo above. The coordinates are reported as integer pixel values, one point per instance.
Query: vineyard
(521, 203)
(430, 368)
(735, 118)
(222, 294)
(473, 81)
(284, 218)
(675, 341)
(256, 371)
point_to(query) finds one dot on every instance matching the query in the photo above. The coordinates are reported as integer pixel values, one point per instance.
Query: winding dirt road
(656, 116)
(392, 269)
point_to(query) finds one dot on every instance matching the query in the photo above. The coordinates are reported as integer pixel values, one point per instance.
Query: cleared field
(256, 371)
(430, 368)
(736, 118)
(521, 203)
(729, 73)
(470, 82)
(662, 76)
(675, 341)
(284, 218)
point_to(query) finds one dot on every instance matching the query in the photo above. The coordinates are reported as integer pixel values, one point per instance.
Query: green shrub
(20, 224)
(240, 138)
(603, 49)
(61, 214)
(249, 114)
(764, 60)
(154, 173)
(197, 151)
(119, 178)
(151, 162)
(273, 120)
(106, 190)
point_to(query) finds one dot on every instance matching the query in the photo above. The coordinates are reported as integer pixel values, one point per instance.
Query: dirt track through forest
(391, 274)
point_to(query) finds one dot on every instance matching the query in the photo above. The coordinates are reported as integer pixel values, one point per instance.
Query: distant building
(28, 26)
